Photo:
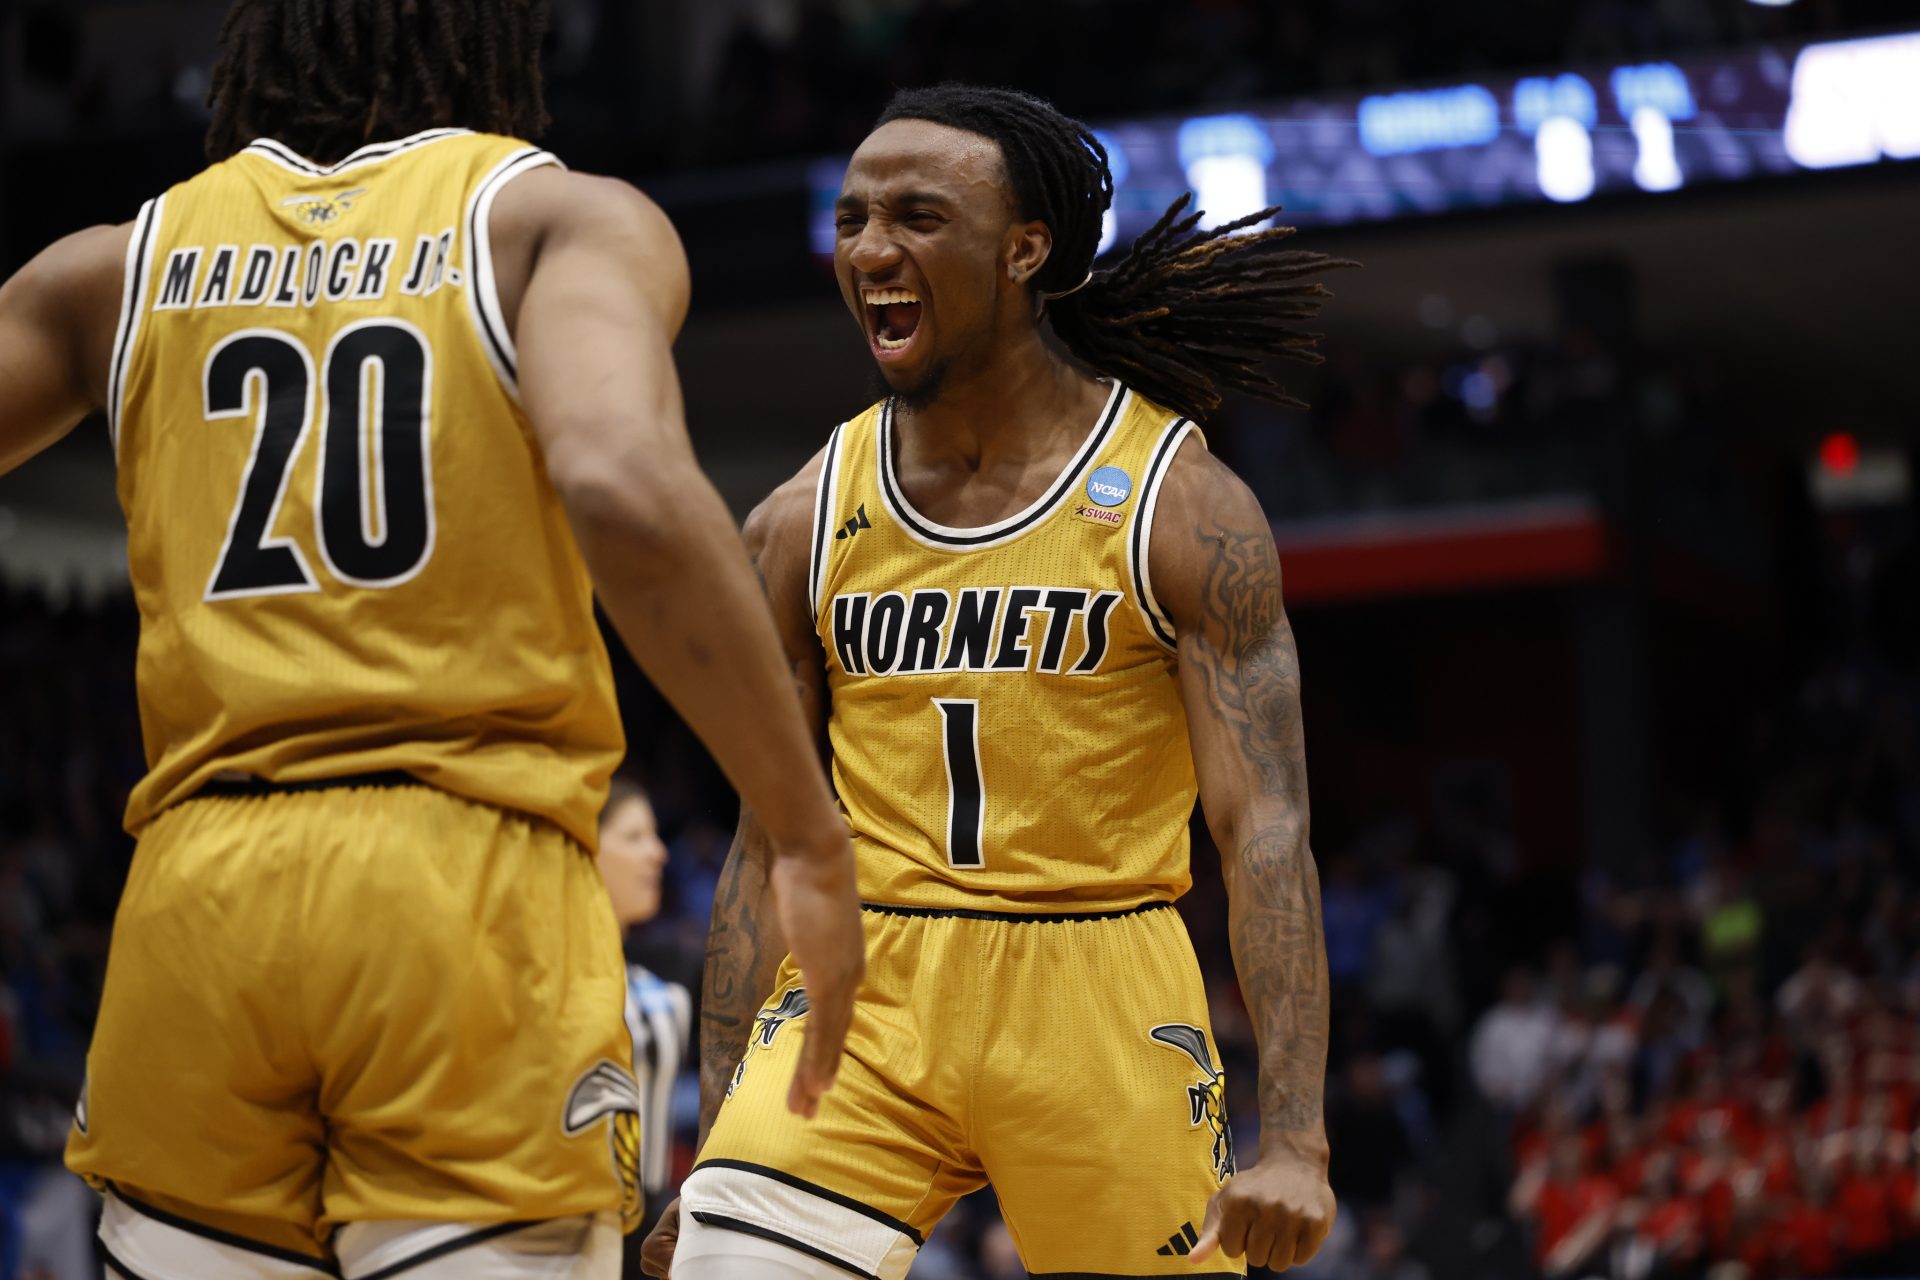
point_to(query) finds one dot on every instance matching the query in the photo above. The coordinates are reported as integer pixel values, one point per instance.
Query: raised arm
(1215, 569)
(604, 294)
(744, 943)
(56, 338)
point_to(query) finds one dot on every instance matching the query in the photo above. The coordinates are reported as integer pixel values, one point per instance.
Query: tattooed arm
(1215, 570)
(744, 941)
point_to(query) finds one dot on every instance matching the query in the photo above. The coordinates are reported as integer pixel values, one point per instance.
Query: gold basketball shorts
(359, 1004)
(1067, 1061)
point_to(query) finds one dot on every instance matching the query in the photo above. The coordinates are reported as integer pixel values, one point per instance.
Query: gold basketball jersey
(1007, 726)
(347, 555)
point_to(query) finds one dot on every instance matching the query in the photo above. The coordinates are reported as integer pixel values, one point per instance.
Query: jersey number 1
(966, 800)
(373, 495)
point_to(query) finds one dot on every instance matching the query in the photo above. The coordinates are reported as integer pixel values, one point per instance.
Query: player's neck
(1024, 401)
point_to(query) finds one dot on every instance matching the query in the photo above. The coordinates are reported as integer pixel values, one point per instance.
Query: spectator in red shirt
(1707, 1174)
(1865, 1199)
(1571, 1205)
(1751, 1235)
(1625, 1148)
(1808, 1229)
(1906, 1186)
(1671, 1221)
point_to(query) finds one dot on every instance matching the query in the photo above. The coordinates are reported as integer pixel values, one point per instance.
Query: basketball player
(390, 395)
(1035, 617)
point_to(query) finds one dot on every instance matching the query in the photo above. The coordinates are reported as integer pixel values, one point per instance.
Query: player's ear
(1028, 246)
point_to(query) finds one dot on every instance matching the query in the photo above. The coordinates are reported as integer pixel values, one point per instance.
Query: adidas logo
(1181, 1243)
(854, 525)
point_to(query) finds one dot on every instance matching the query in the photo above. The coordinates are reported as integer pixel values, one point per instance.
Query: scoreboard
(1561, 137)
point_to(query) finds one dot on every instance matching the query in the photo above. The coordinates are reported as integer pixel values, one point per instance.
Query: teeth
(891, 344)
(887, 297)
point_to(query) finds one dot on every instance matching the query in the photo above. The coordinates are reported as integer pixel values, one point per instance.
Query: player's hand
(1276, 1214)
(820, 918)
(656, 1251)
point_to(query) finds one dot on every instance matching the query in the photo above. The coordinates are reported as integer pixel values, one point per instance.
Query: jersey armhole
(483, 297)
(1139, 547)
(823, 508)
(133, 301)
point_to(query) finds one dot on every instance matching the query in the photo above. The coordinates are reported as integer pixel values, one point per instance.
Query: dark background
(1612, 707)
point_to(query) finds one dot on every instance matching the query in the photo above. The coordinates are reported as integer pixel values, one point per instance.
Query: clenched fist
(1276, 1214)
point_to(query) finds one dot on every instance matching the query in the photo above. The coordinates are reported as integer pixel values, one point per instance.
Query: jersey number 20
(373, 491)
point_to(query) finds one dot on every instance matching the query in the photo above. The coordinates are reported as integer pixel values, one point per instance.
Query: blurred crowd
(1721, 1071)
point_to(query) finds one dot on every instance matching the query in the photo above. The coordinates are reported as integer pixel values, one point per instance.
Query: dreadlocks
(1188, 313)
(328, 76)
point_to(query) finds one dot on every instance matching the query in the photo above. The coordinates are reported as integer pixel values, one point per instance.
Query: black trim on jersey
(480, 265)
(286, 155)
(907, 516)
(446, 1247)
(1016, 917)
(1149, 488)
(726, 1223)
(813, 1188)
(123, 347)
(220, 788)
(218, 1236)
(817, 570)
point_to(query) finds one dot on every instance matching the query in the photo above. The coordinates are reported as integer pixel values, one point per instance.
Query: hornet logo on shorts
(1206, 1100)
(792, 1005)
(609, 1091)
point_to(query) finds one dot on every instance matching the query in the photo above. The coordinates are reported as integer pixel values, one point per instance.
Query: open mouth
(893, 317)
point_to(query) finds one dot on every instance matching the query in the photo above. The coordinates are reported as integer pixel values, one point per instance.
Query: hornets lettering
(992, 629)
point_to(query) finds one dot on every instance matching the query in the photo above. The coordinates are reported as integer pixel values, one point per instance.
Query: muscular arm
(1216, 571)
(595, 289)
(744, 946)
(56, 338)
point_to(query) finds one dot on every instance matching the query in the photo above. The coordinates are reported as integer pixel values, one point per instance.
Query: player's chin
(915, 386)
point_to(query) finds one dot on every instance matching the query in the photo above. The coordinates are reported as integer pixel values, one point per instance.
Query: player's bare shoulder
(58, 318)
(779, 535)
(549, 207)
(1203, 506)
(75, 287)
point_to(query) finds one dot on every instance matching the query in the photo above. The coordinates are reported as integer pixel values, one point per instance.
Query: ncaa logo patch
(1109, 486)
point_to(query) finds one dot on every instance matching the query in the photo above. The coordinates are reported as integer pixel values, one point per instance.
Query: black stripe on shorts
(1017, 917)
(726, 1223)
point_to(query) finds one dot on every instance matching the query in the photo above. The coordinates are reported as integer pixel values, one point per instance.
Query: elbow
(1271, 826)
(611, 498)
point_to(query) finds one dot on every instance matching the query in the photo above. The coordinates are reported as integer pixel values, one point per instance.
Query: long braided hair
(328, 76)
(1187, 313)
